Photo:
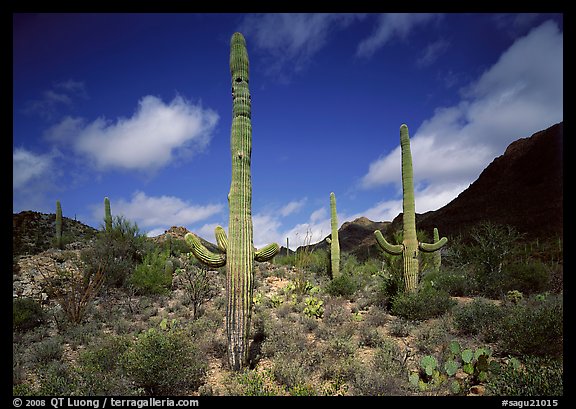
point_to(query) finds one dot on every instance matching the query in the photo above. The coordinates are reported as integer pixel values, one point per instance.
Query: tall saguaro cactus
(333, 240)
(58, 225)
(410, 245)
(107, 215)
(239, 245)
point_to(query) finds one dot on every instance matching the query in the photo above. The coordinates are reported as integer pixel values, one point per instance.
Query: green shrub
(479, 317)
(455, 283)
(151, 276)
(165, 362)
(427, 303)
(26, 313)
(533, 327)
(528, 278)
(538, 376)
(344, 285)
(117, 252)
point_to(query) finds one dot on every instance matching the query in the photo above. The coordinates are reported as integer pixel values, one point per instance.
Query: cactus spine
(333, 240)
(58, 225)
(410, 245)
(238, 246)
(107, 215)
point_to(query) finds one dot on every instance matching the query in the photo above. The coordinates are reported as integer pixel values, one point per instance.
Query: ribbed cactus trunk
(107, 215)
(239, 245)
(437, 260)
(410, 246)
(333, 240)
(58, 225)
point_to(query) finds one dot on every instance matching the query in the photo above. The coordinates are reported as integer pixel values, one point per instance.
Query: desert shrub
(388, 286)
(289, 371)
(528, 278)
(75, 292)
(335, 312)
(538, 376)
(384, 376)
(27, 313)
(344, 285)
(376, 316)
(252, 383)
(151, 276)
(424, 304)
(56, 379)
(117, 251)
(401, 327)
(165, 362)
(198, 284)
(533, 327)
(480, 317)
(284, 338)
(433, 335)
(455, 283)
(100, 369)
(47, 350)
(369, 336)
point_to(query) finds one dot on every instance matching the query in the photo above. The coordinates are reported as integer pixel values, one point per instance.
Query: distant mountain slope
(522, 188)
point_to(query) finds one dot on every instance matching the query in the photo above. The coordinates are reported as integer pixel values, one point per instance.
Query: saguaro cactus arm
(267, 252)
(431, 247)
(203, 254)
(394, 249)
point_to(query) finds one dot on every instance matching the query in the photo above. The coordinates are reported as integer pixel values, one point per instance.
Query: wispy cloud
(27, 166)
(432, 52)
(158, 213)
(390, 26)
(61, 95)
(291, 39)
(520, 94)
(146, 141)
(33, 177)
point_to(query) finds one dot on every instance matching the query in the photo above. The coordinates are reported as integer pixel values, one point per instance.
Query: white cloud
(292, 39)
(389, 26)
(147, 141)
(520, 94)
(27, 166)
(432, 52)
(292, 207)
(158, 212)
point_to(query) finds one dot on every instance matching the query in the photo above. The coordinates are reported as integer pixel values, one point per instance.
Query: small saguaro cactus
(239, 252)
(107, 215)
(333, 240)
(410, 245)
(58, 225)
(437, 256)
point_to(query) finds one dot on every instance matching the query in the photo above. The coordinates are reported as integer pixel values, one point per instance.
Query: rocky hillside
(33, 232)
(522, 188)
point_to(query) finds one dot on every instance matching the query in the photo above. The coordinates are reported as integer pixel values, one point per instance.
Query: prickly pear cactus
(410, 245)
(238, 246)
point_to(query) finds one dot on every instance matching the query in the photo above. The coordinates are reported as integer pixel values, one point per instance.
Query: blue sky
(137, 107)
